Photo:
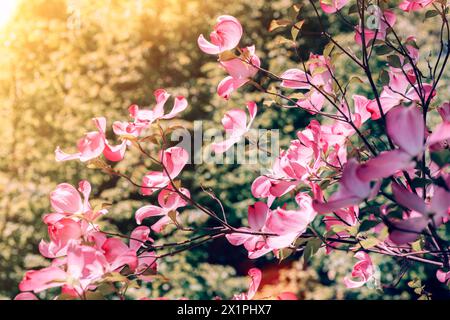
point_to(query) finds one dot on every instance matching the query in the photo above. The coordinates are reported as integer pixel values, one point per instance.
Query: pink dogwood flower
(443, 276)
(72, 218)
(67, 200)
(240, 71)
(319, 75)
(414, 5)
(236, 126)
(256, 276)
(93, 145)
(169, 201)
(363, 271)
(317, 145)
(147, 262)
(285, 225)
(85, 266)
(145, 116)
(331, 6)
(440, 138)
(173, 160)
(226, 36)
(295, 79)
(352, 190)
(438, 209)
(406, 129)
(25, 296)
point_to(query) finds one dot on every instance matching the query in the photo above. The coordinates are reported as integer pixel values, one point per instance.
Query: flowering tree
(385, 192)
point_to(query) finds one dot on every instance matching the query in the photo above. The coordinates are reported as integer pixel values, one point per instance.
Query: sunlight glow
(7, 8)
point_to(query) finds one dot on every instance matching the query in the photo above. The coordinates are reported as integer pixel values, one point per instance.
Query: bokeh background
(63, 62)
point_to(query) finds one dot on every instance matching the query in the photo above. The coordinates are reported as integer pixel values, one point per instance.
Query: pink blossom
(414, 5)
(409, 229)
(352, 190)
(319, 75)
(147, 262)
(312, 101)
(316, 145)
(40, 280)
(286, 225)
(169, 201)
(321, 69)
(146, 116)
(25, 296)
(255, 275)
(363, 271)
(61, 231)
(443, 276)
(66, 200)
(226, 36)
(331, 6)
(72, 219)
(173, 160)
(406, 129)
(240, 71)
(295, 79)
(440, 138)
(236, 126)
(93, 145)
(119, 254)
(399, 90)
(361, 114)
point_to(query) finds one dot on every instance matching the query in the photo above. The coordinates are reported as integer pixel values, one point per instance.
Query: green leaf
(297, 7)
(173, 216)
(367, 225)
(369, 242)
(416, 283)
(431, 14)
(339, 228)
(353, 9)
(115, 277)
(294, 33)
(296, 29)
(417, 245)
(382, 50)
(283, 40)
(65, 296)
(441, 158)
(328, 48)
(284, 253)
(383, 78)
(420, 182)
(275, 24)
(94, 295)
(311, 248)
(355, 79)
(394, 61)
(294, 11)
(395, 214)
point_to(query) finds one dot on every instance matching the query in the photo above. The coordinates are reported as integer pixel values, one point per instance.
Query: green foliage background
(57, 72)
